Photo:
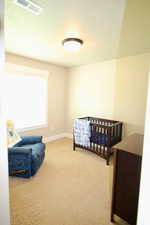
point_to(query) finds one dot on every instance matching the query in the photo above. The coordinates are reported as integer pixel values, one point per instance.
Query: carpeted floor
(71, 188)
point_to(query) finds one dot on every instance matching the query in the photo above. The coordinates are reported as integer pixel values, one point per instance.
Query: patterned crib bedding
(82, 132)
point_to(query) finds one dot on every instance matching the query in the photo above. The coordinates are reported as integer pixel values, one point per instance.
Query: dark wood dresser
(126, 180)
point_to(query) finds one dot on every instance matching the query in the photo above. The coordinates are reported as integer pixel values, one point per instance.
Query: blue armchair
(26, 157)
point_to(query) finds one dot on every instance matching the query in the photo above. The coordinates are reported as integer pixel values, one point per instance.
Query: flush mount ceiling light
(29, 5)
(72, 44)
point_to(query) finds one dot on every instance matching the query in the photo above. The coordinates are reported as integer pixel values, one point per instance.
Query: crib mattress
(98, 138)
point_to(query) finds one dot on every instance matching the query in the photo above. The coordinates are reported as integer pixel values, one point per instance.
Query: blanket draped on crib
(82, 132)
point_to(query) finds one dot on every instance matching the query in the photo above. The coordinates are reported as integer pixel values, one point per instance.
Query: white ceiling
(104, 26)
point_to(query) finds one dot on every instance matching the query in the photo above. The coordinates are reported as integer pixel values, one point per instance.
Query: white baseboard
(53, 138)
(68, 135)
(56, 137)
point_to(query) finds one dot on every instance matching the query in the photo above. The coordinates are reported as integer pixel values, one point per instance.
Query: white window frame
(30, 71)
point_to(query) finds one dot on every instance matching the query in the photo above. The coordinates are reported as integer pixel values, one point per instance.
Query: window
(26, 97)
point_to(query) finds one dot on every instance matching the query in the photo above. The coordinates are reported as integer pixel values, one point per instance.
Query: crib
(104, 134)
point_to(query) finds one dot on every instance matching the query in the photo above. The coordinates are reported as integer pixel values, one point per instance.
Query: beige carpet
(71, 188)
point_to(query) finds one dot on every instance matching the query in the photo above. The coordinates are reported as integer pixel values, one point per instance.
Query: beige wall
(91, 91)
(131, 92)
(111, 89)
(57, 87)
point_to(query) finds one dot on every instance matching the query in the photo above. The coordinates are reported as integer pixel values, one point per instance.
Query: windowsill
(32, 128)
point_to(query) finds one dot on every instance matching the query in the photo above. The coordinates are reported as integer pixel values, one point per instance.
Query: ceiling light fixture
(72, 44)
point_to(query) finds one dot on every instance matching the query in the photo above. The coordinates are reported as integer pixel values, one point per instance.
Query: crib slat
(112, 131)
(105, 136)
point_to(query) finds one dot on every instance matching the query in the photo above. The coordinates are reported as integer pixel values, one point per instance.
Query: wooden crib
(104, 134)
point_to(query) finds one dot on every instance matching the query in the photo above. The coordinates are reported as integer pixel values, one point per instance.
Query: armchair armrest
(30, 140)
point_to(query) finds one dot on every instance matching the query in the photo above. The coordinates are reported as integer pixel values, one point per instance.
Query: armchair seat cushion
(36, 148)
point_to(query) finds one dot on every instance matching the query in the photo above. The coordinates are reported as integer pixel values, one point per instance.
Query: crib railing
(105, 126)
